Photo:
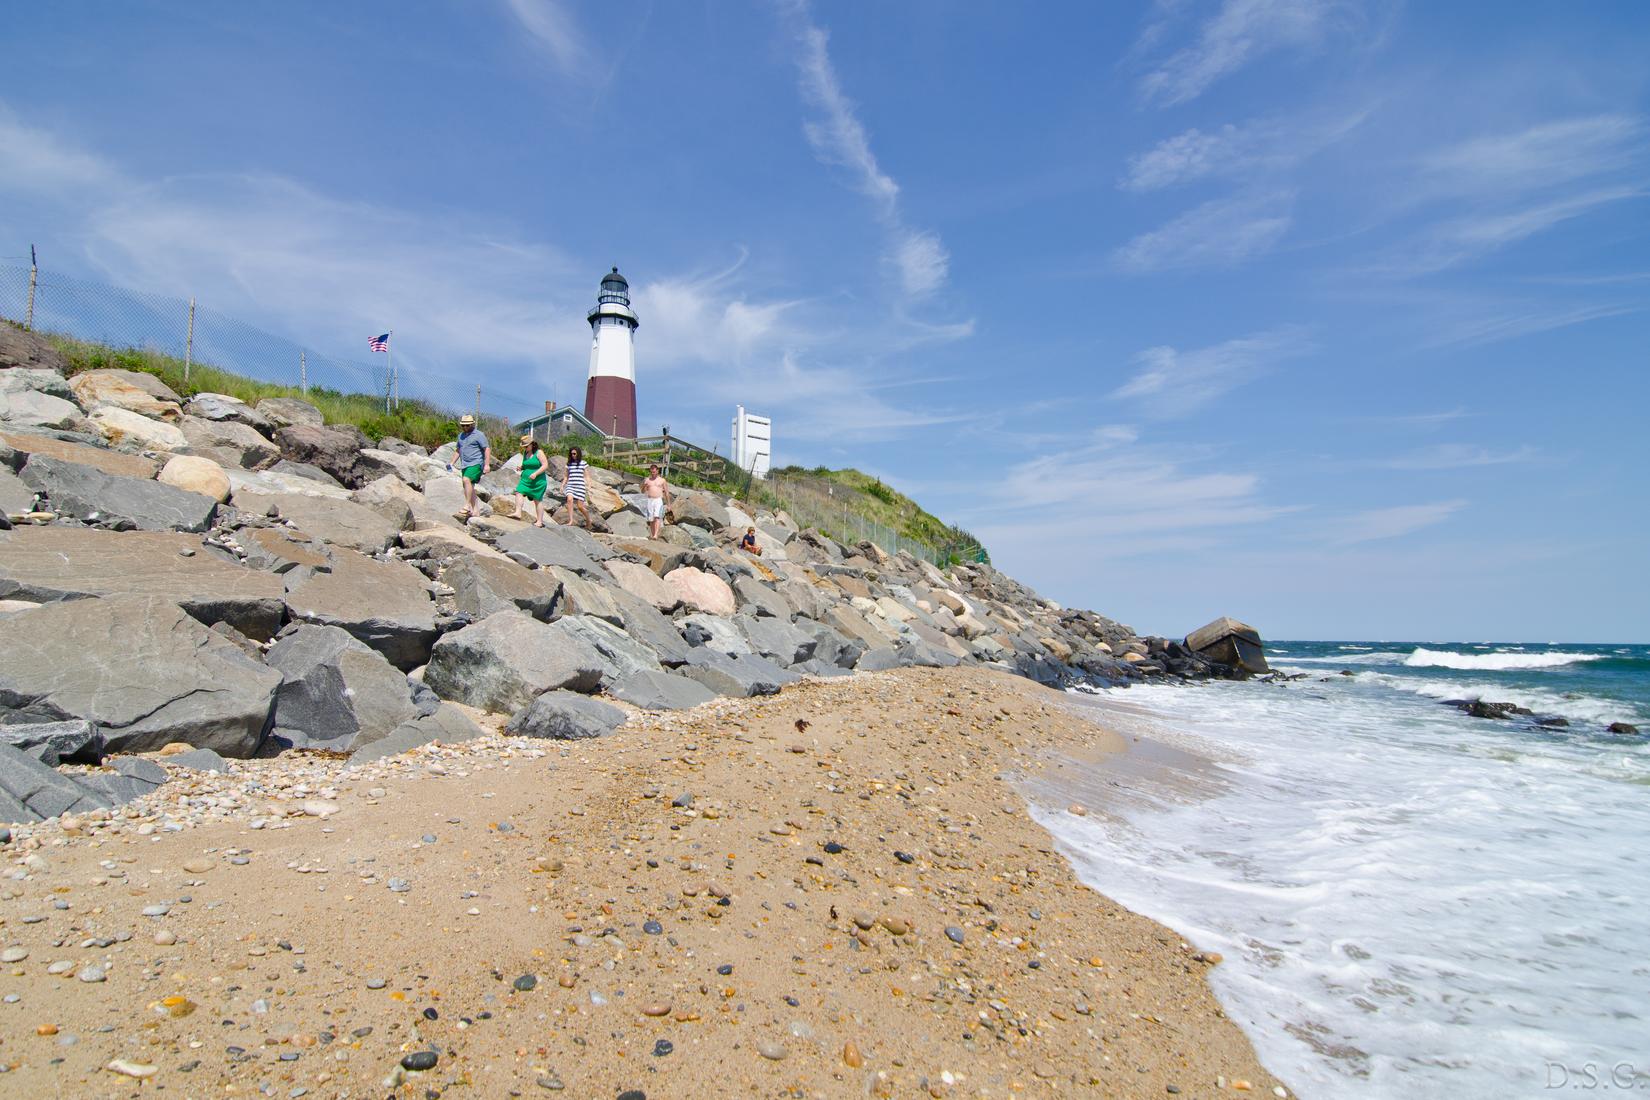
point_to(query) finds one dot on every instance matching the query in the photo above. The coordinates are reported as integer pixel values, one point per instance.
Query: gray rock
(32, 409)
(85, 450)
(335, 692)
(831, 645)
(620, 653)
(777, 639)
(736, 676)
(32, 791)
(566, 547)
(879, 659)
(449, 725)
(336, 522)
(649, 626)
(660, 691)
(503, 662)
(816, 667)
(691, 508)
(15, 496)
(223, 407)
(82, 491)
(482, 586)
(282, 411)
(581, 596)
(565, 716)
(227, 442)
(57, 562)
(201, 760)
(141, 669)
(383, 603)
(715, 632)
(336, 449)
(307, 472)
(136, 767)
(52, 743)
(754, 596)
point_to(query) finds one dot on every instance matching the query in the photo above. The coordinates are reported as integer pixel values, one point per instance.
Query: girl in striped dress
(573, 485)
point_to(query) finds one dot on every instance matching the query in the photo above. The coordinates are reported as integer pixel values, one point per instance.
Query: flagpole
(389, 363)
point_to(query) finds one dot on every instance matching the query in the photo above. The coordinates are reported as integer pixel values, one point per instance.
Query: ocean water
(1411, 902)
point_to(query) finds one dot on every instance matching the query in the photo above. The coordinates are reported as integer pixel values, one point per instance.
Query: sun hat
(466, 419)
(526, 439)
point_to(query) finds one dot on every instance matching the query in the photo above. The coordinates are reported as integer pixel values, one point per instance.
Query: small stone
(895, 926)
(550, 1083)
(61, 966)
(953, 933)
(375, 983)
(864, 920)
(125, 1068)
(197, 866)
(427, 838)
(14, 954)
(851, 1057)
(1077, 811)
(682, 801)
(399, 885)
(165, 938)
(565, 981)
(905, 857)
(772, 1050)
(526, 983)
(653, 928)
(656, 1008)
(46, 1029)
(91, 974)
(318, 807)
(156, 910)
(420, 1060)
(832, 848)
(662, 1048)
(725, 969)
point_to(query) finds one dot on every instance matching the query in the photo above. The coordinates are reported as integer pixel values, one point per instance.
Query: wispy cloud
(1390, 523)
(1262, 148)
(1219, 233)
(918, 256)
(1456, 456)
(1459, 240)
(40, 162)
(552, 25)
(1172, 383)
(1239, 33)
(1512, 320)
(1536, 157)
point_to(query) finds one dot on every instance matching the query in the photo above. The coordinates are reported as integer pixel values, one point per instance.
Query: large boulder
(33, 791)
(275, 480)
(441, 542)
(196, 475)
(385, 604)
(483, 586)
(140, 668)
(648, 625)
(75, 741)
(20, 348)
(126, 778)
(656, 554)
(448, 725)
(84, 492)
(230, 442)
(15, 495)
(567, 547)
(644, 583)
(503, 662)
(336, 522)
(337, 450)
(280, 550)
(1232, 643)
(31, 408)
(736, 676)
(131, 390)
(57, 563)
(286, 411)
(701, 591)
(413, 469)
(757, 598)
(99, 458)
(335, 692)
(123, 426)
(777, 639)
(223, 407)
(565, 716)
(716, 632)
(620, 653)
(660, 691)
(695, 509)
(584, 597)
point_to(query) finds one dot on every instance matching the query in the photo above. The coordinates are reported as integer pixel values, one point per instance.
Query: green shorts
(472, 473)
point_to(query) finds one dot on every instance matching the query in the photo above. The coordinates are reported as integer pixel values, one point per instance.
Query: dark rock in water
(52, 743)
(167, 678)
(565, 716)
(1231, 643)
(1552, 722)
(1621, 727)
(1478, 708)
(82, 492)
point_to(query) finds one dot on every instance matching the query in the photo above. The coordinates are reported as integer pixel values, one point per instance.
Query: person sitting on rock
(748, 543)
(573, 485)
(474, 458)
(655, 495)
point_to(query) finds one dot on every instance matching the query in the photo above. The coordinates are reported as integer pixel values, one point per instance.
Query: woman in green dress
(535, 477)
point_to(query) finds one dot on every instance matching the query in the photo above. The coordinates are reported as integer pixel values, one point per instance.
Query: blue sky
(1323, 313)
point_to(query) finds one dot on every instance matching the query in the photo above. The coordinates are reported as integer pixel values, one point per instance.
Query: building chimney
(549, 406)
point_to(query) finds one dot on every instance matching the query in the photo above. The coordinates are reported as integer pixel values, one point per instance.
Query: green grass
(413, 421)
(860, 494)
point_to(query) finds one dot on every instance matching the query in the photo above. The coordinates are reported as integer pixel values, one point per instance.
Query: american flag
(380, 343)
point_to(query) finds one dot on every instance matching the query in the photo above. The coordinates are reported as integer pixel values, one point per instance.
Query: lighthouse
(610, 395)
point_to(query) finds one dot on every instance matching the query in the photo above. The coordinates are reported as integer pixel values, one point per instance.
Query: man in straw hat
(474, 458)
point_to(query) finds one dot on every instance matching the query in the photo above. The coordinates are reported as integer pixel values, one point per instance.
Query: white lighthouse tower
(610, 395)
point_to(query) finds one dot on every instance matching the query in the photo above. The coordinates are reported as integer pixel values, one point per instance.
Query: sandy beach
(835, 891)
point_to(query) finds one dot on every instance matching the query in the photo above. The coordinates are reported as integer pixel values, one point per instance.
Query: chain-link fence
(187, 329)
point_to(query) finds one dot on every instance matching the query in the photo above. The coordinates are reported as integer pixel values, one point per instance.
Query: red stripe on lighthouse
(610, 403)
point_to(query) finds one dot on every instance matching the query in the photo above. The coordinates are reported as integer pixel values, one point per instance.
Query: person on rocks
(535, 477)
(748, 543)
(474, 458)
(573, 485)
(655, 494)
